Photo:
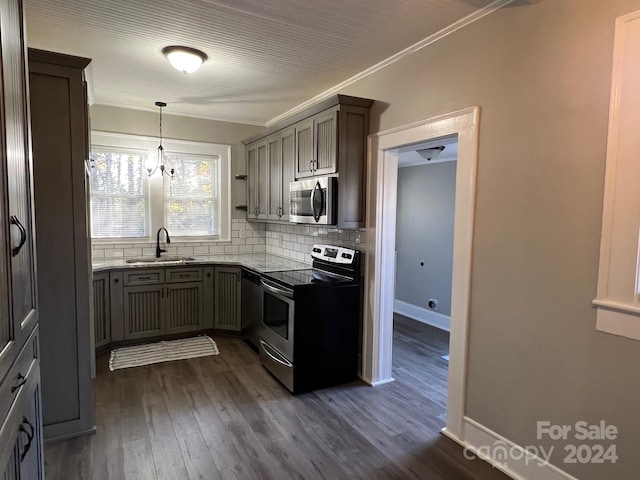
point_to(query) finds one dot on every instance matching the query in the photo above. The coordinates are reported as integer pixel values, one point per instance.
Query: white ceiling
(265, 56)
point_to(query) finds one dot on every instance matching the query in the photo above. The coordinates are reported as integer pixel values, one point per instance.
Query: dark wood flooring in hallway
(225, 417)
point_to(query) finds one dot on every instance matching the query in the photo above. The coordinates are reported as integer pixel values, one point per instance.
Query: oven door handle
(266, 347)
(273, 289)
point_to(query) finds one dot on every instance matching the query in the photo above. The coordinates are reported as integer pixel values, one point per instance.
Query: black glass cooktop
(306, 277)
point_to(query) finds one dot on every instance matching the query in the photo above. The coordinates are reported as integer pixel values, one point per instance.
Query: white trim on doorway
(380, 250)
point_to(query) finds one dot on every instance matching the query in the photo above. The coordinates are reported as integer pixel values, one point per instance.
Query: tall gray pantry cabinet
(59, 119)
(20, 412)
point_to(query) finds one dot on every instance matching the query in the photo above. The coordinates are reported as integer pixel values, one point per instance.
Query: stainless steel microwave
(314, 200)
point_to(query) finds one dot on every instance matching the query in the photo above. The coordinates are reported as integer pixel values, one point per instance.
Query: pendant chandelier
(160, 162)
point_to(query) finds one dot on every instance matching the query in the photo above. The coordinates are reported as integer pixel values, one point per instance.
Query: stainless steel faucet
(158, 249)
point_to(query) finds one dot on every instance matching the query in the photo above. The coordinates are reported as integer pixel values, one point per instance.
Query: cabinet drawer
(177, 275)
(18, 373)
(144, 277)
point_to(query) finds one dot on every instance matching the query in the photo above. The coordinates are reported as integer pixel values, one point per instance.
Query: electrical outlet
(242, 233)
(432, 304)
(280, 239)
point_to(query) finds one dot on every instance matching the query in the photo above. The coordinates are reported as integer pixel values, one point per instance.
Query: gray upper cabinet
(287, 151)
(258, 181)
(252, 182)
(317, 144)
(327, 139)
(274, 158)
(60, 146)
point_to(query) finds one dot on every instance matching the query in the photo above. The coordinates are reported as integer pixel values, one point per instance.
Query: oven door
(313, 201)
(278, 311)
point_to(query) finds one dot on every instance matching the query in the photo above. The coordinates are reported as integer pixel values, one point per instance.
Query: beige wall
(541, 74)
(137, 122)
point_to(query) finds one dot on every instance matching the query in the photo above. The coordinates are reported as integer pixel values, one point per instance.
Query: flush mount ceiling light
(185, 59)
(430, 153)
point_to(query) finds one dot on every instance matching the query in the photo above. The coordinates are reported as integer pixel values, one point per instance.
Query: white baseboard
(379, 382)
(519, 463)
(435, 319)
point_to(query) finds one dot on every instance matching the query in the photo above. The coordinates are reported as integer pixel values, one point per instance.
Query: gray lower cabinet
(154, 302)
(183, 309)
(227, 298)
(101, 310)
(21, 432)
(143, 307)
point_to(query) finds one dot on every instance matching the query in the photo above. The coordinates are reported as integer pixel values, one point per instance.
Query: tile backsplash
(289, 241)
(295, 241)
(245, 238)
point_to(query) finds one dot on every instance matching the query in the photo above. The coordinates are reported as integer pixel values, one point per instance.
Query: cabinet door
(288, 154)
(252, 181)
(17, 272)
(275, 177)
(325, 126)
(143, 311)
(21, 434)
(183, 308)
(304, 150)
(101, 310)
(227, 298)
(263, 180)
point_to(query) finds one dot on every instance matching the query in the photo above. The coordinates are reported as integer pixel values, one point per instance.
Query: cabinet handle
(238, 275)
(29, 435)
(21, 381)
(23, 235)
(144, 278)
(311, 165)
(184, 275)
(208, 274)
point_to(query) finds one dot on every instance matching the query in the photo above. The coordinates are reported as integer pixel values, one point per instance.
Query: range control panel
(330, 253)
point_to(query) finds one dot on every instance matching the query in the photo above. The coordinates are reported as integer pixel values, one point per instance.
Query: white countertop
(260, 262)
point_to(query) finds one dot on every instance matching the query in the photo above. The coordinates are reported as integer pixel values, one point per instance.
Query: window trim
(156, 197)
(617, 300)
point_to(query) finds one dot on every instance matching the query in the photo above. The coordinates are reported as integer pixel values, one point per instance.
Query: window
(618, 299)
(128, 204)
(191, 197)
(119, 193)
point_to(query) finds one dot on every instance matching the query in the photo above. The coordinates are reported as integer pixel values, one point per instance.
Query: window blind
(119, 193)
(192, 195)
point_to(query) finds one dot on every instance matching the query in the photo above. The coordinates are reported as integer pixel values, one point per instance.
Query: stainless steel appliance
(314, 200)
(310, 321)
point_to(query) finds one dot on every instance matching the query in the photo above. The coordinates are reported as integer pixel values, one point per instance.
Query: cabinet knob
(208, 274)
(115, 280)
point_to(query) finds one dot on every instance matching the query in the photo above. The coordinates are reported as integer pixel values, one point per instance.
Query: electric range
(311, 321)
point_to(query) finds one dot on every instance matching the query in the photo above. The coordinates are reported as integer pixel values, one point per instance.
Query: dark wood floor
(225, 417)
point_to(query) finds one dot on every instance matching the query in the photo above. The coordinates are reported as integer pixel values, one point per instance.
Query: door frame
(382, 175)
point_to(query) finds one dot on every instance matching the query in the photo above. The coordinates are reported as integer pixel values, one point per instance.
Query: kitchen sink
(162, 259)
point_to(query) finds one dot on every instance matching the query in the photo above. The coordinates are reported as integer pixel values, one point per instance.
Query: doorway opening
(424, 259)
(381, 243)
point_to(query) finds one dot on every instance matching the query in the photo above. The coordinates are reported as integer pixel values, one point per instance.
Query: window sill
(618, 319)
